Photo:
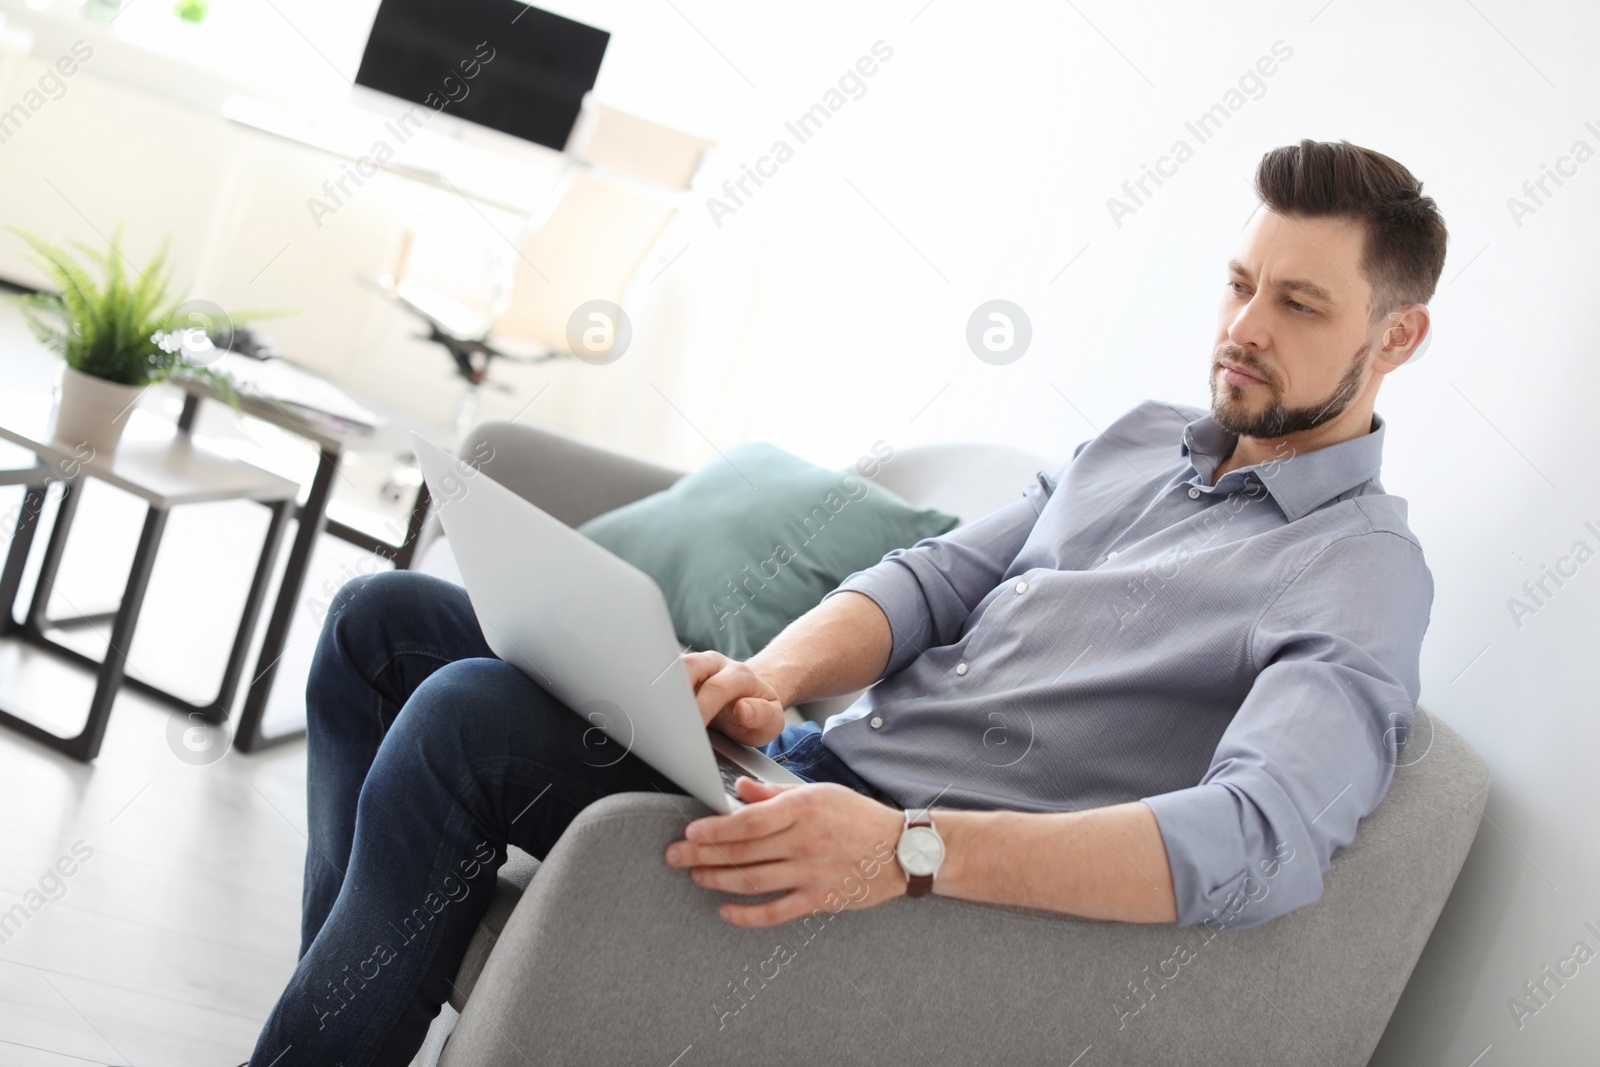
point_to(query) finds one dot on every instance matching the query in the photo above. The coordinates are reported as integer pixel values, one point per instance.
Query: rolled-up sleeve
(1313, 747)
(928, 591)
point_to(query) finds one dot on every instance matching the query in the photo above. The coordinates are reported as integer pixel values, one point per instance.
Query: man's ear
(1404, 339)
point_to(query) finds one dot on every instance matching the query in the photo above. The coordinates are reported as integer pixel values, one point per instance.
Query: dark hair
(1405, 234)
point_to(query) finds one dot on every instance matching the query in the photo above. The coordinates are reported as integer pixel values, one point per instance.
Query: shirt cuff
(1195, 823)
(1224, 874)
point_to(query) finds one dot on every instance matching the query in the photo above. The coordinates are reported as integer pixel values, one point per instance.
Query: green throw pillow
(746, 545)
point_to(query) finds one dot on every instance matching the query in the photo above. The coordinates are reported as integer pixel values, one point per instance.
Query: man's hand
(734, 698)
(823, 846)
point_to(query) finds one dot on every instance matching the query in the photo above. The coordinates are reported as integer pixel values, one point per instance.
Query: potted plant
(115, 335)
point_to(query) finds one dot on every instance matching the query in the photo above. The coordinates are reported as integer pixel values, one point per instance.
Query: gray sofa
(604, 955)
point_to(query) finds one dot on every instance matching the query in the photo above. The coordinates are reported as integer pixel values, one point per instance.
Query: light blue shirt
(1243, 657)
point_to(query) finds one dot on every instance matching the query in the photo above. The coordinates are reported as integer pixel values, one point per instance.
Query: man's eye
(1237, 287)
(1296, 305)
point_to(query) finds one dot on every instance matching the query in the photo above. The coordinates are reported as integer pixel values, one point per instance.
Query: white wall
(830, 311)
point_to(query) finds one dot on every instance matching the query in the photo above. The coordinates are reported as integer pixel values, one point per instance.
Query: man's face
(1293, 337)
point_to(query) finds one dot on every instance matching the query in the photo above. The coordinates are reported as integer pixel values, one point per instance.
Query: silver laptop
(591, 629)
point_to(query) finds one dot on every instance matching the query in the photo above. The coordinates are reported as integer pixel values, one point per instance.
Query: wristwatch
(920, 852)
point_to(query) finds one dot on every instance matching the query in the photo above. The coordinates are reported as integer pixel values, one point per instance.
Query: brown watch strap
(919, 885)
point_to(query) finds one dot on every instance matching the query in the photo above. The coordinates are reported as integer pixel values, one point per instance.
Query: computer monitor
(498, 63)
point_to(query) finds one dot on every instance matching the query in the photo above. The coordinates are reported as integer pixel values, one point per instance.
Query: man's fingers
(729, 693)
(702, 853)
(749, 711)
(792, 905)
(752, 820)
(717, 691)
(751, 720)
(752, 790)
(749, 878)
(730, 854)
(734, 715)
(799, 841)
(702, 665)
(733, 847)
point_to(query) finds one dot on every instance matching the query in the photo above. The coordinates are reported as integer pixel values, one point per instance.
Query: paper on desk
(288, 384)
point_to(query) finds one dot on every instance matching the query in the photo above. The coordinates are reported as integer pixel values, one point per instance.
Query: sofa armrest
(613, 957)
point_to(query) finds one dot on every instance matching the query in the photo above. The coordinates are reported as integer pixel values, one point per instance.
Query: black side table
(165, 473)
(311, 522)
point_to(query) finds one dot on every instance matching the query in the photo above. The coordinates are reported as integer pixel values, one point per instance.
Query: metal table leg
(33, 628)
(34, 622)
(312, 518)
(33, 498)
(86, 744)
(400, 555)
(191, 405)
(312, 521)
(414, 522)
(223, 705)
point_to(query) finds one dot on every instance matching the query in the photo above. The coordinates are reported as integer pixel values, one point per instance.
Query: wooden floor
(169, 941)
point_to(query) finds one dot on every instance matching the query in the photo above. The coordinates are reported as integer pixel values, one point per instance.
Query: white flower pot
(91, 411)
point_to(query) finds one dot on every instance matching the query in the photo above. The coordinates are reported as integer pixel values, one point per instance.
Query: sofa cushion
(747, 544)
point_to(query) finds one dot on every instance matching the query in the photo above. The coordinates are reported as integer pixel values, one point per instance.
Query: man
(1163, 685)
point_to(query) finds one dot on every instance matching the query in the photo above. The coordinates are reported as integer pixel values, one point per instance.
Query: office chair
(611, 204)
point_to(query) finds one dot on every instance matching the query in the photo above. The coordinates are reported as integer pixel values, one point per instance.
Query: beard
(1276, 420)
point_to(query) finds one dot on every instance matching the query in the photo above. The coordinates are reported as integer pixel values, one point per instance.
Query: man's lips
(1234, 374)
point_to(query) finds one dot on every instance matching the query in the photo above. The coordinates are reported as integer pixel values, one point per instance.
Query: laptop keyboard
(729, 773)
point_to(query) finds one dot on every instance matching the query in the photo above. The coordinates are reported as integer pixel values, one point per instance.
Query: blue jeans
(426, 757)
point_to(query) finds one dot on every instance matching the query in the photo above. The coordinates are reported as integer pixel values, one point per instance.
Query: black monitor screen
(499, 63)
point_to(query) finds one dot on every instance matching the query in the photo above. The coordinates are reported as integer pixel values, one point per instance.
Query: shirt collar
(1299, 483)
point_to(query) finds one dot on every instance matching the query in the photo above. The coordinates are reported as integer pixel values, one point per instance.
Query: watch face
(920, 850)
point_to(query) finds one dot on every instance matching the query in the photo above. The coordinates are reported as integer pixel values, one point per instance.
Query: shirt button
(875, 722)
(1112, 555)
(1022, 587)
(961, 668)
(1194, 493)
